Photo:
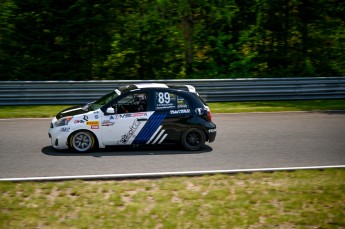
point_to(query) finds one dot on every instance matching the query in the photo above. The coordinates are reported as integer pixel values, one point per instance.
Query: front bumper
(59, 137)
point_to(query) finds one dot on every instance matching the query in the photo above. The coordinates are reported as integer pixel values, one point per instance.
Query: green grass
(31, 111)
(277, 106)
(300, 199)
(223, 107)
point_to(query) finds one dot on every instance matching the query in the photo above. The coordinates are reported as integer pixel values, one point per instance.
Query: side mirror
(110, 110)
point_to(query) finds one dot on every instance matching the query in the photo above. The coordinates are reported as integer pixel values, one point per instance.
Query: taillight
(209, 115)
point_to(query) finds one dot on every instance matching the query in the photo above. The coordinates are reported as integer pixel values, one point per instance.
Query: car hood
(76, 110)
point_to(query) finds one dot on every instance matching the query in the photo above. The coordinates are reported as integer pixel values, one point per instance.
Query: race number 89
(163, 97)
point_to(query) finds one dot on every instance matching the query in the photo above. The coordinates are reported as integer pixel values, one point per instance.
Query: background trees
(145, 39)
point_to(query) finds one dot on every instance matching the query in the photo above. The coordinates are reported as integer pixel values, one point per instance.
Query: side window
(166, 100)
(136, 102)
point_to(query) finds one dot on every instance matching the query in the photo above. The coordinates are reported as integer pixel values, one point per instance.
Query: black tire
(82, 141)
(193, 139)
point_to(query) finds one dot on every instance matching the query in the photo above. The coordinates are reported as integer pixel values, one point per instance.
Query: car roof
(131, 87)
(151, 85)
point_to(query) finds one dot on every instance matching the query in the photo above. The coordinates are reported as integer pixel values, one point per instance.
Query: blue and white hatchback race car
(139, 114)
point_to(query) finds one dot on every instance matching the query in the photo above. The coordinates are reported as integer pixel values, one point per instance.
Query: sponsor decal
(108, 123)
(130, 115)
(111, 117)
(182, 111)
(90, 123)
(132, 129)
(96, 116)
(65, 129)
(86, 118)
(181, 103)
(78, 121)
(95, 127)
(201, 111)
(179, 106)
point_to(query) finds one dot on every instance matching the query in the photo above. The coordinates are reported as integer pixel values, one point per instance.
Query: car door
(129, 117)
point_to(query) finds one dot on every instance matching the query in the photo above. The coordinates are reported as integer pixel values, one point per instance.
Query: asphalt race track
(244, 141)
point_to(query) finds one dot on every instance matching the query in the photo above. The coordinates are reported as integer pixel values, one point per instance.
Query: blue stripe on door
(150, 127)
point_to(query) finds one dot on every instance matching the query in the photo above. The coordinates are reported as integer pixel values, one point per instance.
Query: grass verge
(277, 106)
(31, 111)
(300, 199)
(222, 107)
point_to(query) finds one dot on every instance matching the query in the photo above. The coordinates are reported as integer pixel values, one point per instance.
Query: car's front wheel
(82, 141)
(193, 139)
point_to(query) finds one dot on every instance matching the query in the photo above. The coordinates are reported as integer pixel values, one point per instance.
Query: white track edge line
(163, 174)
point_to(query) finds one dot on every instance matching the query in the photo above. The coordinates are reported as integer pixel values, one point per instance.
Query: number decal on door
(163, 97)
(165, 101)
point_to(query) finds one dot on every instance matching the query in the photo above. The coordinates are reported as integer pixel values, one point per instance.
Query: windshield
(104, 100)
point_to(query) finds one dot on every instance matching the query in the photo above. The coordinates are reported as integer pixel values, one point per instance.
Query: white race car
(140, 114)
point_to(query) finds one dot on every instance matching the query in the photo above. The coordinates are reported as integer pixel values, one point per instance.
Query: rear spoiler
(189, 88)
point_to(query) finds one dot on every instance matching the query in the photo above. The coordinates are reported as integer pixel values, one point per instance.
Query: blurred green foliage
(165, 39)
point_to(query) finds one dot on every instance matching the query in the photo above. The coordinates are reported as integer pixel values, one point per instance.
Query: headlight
(63, 121)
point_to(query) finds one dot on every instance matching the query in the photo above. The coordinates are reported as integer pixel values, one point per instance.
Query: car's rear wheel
(82, 141)
(193, 139)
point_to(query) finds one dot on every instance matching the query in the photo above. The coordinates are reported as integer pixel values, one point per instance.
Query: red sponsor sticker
(95, 127)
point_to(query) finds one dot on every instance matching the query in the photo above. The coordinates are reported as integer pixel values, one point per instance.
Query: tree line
(168, 39)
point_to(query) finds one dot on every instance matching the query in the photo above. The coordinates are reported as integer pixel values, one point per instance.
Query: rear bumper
(212, 135)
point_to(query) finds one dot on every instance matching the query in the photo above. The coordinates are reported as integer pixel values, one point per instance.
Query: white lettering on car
(132, 129)
(164, 101)
(108, 123)
(130, 115)
(182, 111)
(65, 129)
